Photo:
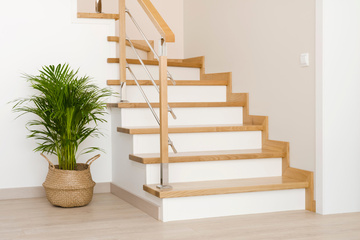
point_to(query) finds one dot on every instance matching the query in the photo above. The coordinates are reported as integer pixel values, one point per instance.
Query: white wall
(338, 104)
(261, 42)
(48, 32)
(45, 32)
(171, 11)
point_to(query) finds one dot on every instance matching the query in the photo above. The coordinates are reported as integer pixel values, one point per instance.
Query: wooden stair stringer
(268, 144)
(295, 173)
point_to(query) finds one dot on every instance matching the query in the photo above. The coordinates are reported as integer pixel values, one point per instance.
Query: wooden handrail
(157, 20)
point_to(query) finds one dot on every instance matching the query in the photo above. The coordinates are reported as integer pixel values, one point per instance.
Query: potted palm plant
(67, 110)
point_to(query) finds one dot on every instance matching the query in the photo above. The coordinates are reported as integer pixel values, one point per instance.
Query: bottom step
(188, 189)
(194, 200)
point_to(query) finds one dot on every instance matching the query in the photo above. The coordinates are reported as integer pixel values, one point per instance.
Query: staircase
(225, 164)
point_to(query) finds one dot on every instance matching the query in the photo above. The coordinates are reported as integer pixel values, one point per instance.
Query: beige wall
(171, 11)
(260, 41)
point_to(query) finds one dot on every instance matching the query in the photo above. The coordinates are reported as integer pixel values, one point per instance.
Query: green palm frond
(65, 106)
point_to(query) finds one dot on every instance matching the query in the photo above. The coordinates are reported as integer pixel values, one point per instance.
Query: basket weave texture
(69, 188)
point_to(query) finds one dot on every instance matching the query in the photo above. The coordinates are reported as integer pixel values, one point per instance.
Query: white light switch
(304, 59)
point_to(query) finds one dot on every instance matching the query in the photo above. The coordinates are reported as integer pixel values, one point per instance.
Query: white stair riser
(140, 117)
(179, 94)
(189, 142)
(232, 204)
(216, 170)
(178, 73)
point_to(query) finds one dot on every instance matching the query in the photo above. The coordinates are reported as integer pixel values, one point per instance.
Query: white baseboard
(140, 203)
(19, 193)
(37, 192)
(103, 187)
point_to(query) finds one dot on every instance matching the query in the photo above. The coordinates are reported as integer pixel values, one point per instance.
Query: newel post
(122, 45)
(164, 130)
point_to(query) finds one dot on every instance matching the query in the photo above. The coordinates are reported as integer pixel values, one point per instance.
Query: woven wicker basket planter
(70, 188)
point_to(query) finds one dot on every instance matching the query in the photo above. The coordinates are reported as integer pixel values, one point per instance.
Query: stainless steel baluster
(148, 43)
(149, 104)
(149, 74)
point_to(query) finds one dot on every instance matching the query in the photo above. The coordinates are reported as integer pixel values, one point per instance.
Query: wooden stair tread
(178, 82)
(171, 62)
(177, 104)
(136, 43)
(153, 158)
(193, 129)
(98, 15)
(188, 189)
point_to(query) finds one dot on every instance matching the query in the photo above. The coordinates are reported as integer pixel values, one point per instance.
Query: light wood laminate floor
(108, 217)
